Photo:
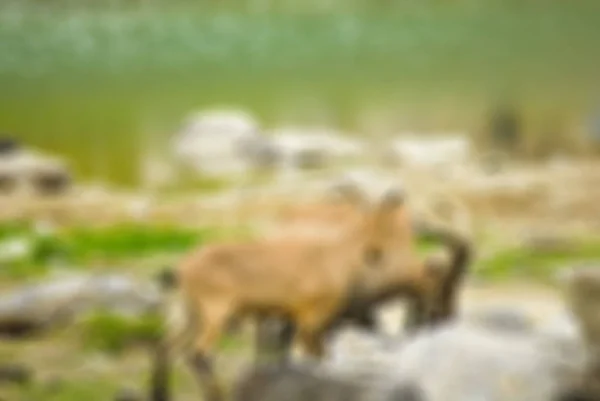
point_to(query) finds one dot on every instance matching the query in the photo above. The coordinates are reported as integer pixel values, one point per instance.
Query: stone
(44, 305)
(502, 318)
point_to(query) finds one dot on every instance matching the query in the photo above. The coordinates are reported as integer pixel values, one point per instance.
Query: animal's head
(381, 227)
(377, 217)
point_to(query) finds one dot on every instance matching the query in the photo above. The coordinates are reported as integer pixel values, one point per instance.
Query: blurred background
(99, 81)
(133, 130)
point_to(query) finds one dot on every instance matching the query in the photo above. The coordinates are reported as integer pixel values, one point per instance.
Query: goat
(310, 281)
(361, 312)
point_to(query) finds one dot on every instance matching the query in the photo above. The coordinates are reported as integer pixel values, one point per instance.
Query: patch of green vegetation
(81, 245)
(426, 244)
(9, 229)
(232, 343)
(534, 264)
(129, 240)
(113, 333)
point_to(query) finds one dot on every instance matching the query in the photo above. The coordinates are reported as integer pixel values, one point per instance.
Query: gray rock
(314, 148)
(218, 142)
(460, 363)
(8, 145)
(293, 383)
(502, 318)
(27, 170)
(51, 180)
(260, 153)
(464, 362)
(430, 151)
(582, 287)
(44, 305)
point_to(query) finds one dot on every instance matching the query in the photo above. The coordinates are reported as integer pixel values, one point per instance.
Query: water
(103, 85)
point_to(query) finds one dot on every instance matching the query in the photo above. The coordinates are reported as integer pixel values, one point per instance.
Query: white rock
(431, 151)
(307, 147)
(462, 362)
(213, 141)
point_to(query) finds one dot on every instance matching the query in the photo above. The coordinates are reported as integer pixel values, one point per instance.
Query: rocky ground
(510, 214)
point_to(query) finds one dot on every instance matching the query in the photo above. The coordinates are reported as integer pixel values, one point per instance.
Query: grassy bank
(84, 247)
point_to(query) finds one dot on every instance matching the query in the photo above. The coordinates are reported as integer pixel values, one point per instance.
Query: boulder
(293, 383)
(219, 142)
(502, 318)
(313, 148)
(8, 145)
(34, 172)
(430, 151)
(582, 288)
(457, 361)
(463, 362)
(41, 306)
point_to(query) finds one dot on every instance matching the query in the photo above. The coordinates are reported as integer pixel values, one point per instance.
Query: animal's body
(275, 333)
(311, 282)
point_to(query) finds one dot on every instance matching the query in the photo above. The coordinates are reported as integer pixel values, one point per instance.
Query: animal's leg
(274, 337)
(312, 332)
(287, 338)
(424, 302)
(176, 336)
(160, 377)
(421, 308)
(415, 313)
(213, 323)
(441, 302)
(446, 303)
(366, 319)
(312, 342)
(182, 337)
(285, 341)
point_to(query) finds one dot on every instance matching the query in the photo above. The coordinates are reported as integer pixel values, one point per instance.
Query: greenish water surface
(100, 84)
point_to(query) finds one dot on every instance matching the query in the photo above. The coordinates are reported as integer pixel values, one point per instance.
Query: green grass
(524, 263)
(100, 84)
(113, 333)
(426, 245)
(82, 246)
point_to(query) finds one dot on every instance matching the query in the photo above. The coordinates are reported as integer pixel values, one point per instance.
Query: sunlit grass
(78, 247)
(526, 263)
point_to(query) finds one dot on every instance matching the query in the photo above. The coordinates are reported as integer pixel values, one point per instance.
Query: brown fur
(308, 280)
(448, 276)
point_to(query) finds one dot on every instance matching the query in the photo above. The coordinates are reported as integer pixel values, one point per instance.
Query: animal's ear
(348, 191)
(393, 198)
